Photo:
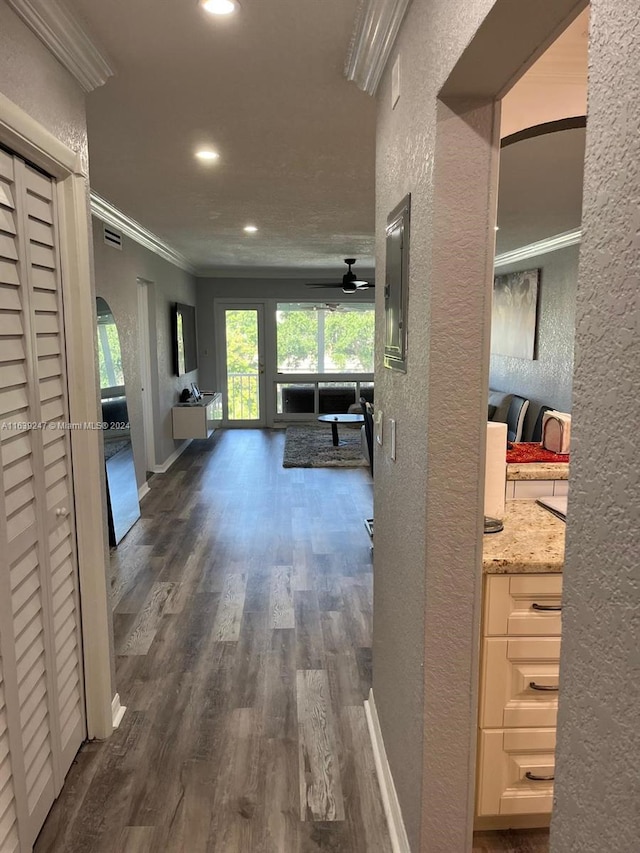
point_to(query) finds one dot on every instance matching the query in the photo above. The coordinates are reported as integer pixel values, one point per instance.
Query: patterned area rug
(311, 447)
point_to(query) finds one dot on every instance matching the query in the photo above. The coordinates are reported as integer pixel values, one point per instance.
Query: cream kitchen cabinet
(519, 678)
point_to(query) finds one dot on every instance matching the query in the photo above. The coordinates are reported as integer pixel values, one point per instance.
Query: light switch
(392, 428)
(379, 423)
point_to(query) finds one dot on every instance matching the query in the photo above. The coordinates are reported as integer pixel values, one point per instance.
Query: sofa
(299, 399)
(509, 409)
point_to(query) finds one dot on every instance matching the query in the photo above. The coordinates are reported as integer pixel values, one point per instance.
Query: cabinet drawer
(506, 756)
(517, 605)
(509, 668)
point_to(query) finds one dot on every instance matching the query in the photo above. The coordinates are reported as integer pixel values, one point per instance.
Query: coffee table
(334, 420)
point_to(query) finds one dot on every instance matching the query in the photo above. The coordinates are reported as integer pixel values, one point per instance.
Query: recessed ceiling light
(207, 155)
(219, 7)
(250, 229)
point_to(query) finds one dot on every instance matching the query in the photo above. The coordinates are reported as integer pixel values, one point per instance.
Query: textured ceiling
(266, 89)
(296, 140)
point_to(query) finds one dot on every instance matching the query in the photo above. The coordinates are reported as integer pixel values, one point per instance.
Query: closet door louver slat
(43, 726)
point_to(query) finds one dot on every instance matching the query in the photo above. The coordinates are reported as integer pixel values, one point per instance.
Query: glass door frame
(221, 306)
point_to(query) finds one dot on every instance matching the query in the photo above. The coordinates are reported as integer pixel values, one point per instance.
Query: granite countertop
(537, 471)
(532, 541)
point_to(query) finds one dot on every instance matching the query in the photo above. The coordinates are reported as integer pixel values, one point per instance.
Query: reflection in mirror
(122, 488)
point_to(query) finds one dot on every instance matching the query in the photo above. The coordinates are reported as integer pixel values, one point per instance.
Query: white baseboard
(117, 711)
(397, 831)
(143, 491)
(162, 469)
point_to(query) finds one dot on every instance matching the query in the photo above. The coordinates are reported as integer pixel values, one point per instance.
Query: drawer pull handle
(533, 778)
(549, 687)
(535, 606)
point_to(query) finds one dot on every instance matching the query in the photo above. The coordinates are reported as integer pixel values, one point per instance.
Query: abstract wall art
(514, 314)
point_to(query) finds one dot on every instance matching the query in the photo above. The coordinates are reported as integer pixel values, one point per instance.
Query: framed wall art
(514, 314)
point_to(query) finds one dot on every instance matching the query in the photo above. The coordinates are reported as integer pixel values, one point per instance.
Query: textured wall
(34, 80)
(598, 754)
(431, 38)
(548, 379)
(116, 274)
(427, 510)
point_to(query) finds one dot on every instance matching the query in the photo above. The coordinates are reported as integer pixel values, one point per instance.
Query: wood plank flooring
(242, 620)
(242, 623)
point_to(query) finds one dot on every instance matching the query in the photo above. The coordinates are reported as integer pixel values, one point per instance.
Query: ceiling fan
(350, 282)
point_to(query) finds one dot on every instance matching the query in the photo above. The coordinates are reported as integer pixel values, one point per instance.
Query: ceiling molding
(106, 212)
(59, 30)
(375, 31)
(542, 247)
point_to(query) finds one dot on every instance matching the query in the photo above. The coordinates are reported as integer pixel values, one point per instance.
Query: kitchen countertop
(532, 541)
(537, 471)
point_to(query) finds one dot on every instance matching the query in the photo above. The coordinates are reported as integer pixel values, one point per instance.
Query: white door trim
(145, 372)
(27, 138)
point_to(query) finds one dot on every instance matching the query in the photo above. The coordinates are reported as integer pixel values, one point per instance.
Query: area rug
(312, 447)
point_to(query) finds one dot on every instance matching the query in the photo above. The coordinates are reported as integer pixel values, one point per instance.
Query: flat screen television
(185, 345)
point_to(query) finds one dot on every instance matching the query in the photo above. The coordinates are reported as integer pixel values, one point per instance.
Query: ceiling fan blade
(364, 285)
(317, 284)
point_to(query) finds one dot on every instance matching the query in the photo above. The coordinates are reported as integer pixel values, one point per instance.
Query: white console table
(197, 420)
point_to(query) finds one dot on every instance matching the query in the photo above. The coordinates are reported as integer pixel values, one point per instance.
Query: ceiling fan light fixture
(350, 281)
(219, 7)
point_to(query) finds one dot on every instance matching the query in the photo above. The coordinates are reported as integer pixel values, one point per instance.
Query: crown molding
(106, 212)
(59, 30)
(375, 31)
(542, 247)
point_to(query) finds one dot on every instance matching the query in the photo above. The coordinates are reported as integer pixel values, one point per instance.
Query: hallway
(243, 602)
(243, 605)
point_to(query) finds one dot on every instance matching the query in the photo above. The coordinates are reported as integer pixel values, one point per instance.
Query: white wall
(116, 281)
(428, 503)
(36, 82)
(598, 753)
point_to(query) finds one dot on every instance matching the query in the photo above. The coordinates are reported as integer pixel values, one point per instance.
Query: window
(323, 338)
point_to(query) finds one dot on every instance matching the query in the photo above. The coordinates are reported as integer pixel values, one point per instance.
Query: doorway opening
(241, 335)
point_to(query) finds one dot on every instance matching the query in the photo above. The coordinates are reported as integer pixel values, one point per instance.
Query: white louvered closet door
(42, 719)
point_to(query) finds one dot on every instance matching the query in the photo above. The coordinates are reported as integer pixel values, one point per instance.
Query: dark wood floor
(243, 637)
(242, 619)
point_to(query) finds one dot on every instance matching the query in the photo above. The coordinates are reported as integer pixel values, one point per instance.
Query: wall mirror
(396, 286)
(122, 488)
